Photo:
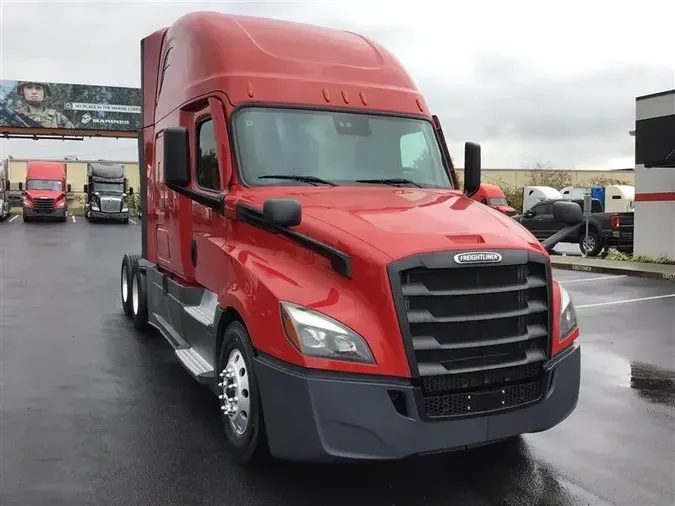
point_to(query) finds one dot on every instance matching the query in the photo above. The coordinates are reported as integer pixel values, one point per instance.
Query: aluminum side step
(195, 364)
(205, 312)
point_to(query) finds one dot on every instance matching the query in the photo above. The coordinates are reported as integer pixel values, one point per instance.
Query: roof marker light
(363, 98)
(326, 94)
(249, 89)
(345, 96)
(419, 104)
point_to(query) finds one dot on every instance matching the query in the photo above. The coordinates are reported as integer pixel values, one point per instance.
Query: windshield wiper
(305, 179)
(390, 181)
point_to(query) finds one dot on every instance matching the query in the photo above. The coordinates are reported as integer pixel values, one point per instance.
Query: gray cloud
(515, 111)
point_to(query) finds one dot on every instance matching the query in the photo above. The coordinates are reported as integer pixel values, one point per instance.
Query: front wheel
(240, 404)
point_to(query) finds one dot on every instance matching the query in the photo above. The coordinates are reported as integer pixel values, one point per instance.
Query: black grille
(482, 402)
(476, 335)
(42, 204)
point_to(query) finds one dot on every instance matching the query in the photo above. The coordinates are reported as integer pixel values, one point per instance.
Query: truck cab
(307, 253)
(493, 196)
(44, 192)
(106, 193)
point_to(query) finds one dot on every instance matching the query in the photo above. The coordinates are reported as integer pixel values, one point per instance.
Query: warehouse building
(514, 178)
(655, 175)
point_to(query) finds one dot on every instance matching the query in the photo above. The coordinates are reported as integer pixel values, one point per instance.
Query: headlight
(317, 335)
(94, 207)
(568, 317)
(61, 204)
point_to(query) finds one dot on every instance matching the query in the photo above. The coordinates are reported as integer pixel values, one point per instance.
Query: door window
(207, 173)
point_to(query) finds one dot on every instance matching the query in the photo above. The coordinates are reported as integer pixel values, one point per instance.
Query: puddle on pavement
(653, 383)
(649, 382)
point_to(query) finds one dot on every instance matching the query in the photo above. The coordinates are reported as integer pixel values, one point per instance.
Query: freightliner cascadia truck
(341, 300)
(44, 196)
(106, 191)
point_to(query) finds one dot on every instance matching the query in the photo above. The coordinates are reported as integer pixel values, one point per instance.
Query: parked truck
(45, 192)
(106, 192)
(603, 227)
(534, 194)
(615, 198)
(493, 196)
(4, 190)
(341, 304)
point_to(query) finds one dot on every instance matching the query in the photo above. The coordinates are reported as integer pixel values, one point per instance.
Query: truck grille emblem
(478, 257)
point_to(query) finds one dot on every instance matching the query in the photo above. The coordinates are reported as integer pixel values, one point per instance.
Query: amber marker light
(326, 94)
(419, 104)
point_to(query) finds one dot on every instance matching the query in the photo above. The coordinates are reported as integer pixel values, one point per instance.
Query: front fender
(262, 277)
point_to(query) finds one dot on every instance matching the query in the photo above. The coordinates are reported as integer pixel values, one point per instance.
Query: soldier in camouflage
(33, 107)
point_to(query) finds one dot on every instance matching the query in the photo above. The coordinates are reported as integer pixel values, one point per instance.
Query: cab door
(212, 166)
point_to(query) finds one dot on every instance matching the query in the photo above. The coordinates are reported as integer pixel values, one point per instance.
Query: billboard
(38, 107)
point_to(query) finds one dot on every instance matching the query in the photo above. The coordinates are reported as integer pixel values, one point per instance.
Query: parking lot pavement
(96, 413)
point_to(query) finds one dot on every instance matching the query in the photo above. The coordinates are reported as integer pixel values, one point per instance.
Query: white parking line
(611, 302)
(13, 218)
(73, 217)
(132, 221)
(597, 278)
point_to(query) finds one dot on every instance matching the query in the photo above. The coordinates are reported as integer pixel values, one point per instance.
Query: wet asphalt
(95, 413)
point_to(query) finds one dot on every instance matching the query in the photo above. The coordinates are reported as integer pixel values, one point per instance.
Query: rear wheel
(591, 244)
(125, 284)
(240, 405)
(139, 299)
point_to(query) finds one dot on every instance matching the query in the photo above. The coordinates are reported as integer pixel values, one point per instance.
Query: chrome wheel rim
(589, 243)
(125, 285)
(235, 397)
(134, 294)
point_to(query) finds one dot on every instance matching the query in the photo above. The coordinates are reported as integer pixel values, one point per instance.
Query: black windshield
(340, 147)
(44, 184)
(108, 187)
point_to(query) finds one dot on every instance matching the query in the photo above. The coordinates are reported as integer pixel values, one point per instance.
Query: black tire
(26, 219)
(139, 298)
(596, 243)
(125, 284)
(250, 446)
(125, 221)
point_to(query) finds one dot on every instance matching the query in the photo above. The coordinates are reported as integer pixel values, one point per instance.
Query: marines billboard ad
(58, 106)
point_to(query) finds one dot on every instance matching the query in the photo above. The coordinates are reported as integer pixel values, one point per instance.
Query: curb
(663, 276)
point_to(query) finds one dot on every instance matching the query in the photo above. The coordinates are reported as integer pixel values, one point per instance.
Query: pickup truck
(603, 229)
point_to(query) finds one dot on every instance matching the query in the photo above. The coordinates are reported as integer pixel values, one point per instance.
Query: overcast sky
(553, 82)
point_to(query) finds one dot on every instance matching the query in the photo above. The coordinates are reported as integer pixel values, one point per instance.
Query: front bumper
(101, 215)
(318, 416)
(59, 212)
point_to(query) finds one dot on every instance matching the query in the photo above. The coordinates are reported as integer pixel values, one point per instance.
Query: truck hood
(402, 221)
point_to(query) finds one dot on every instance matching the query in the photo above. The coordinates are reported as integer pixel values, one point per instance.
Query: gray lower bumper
(59, 212)
(318, 416)
(100, 215)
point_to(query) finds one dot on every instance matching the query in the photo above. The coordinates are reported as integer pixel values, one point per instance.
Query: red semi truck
(44, 195)
(493, 196)
(341, 304)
